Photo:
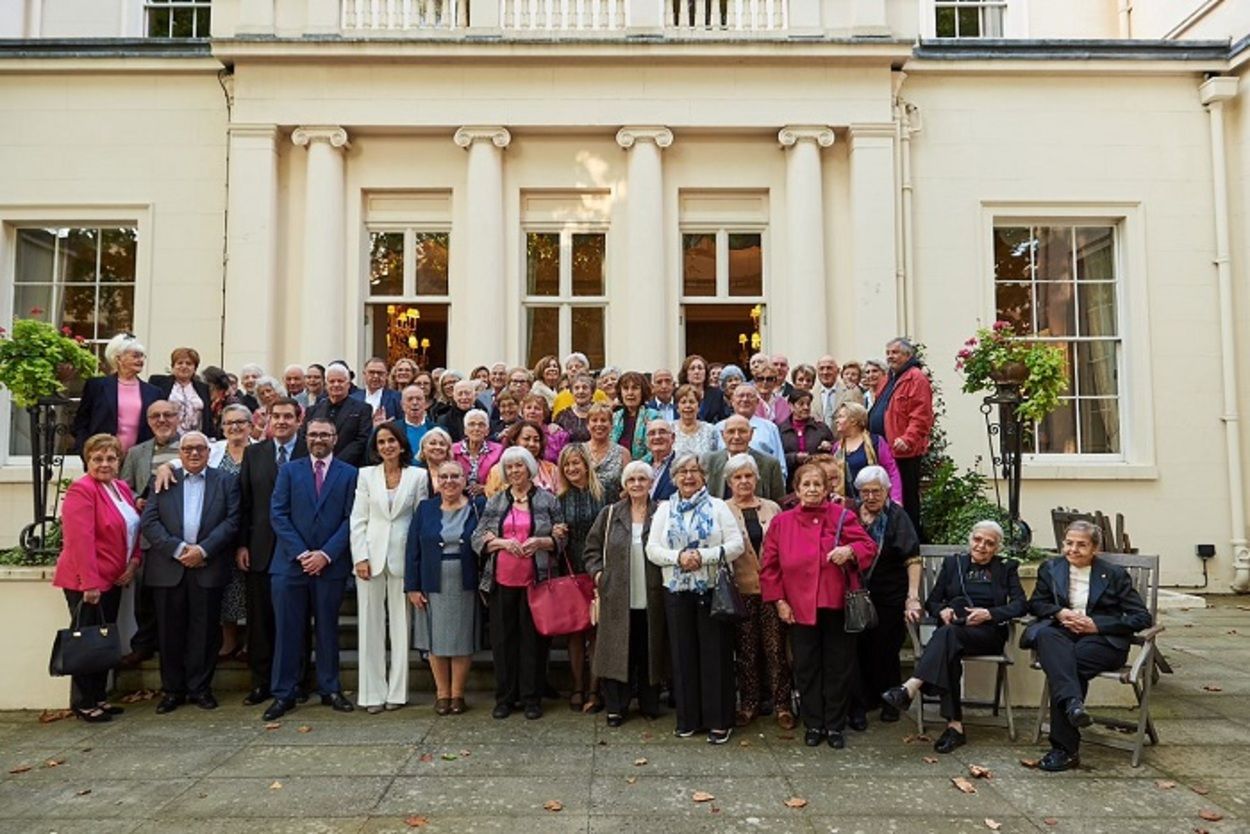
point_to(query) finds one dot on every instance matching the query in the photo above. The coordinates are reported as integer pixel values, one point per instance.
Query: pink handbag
(561, 604)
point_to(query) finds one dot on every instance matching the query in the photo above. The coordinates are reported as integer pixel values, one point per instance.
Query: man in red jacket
(903, 413)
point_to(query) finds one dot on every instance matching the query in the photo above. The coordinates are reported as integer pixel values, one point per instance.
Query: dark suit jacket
(257, 475)
(1114, 604)
(165, 384)
(97, 412)
(713, 407)
(219, 530)
(770, 484)
(354, 423)
(304, 521)
(1009, 600)
(814, 433)
(392, 404)
(423, 569)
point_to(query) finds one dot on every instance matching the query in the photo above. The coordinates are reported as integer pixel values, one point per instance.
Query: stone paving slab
(264, 796)
(496, 759)
(88, 796)
(522, 794)
(280, 760)
(708, 823)
(69, 826)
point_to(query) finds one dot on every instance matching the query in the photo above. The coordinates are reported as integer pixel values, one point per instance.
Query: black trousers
(941, 665)
(188, 620)
(824, 668)
(909, 474)
(519, 651)
(617, 694)
(877, 650)
(145, 637)
(260, 627)
(703, 662)
(87, 691)
(1070, 662)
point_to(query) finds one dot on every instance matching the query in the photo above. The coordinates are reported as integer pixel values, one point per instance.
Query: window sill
(19, 472)
(1090, 472)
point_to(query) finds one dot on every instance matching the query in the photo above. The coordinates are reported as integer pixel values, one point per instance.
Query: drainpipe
(1214, 92)
(1126, 19)
(906, 117)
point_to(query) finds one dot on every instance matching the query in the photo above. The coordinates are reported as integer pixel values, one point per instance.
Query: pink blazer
(795, 567)
(93, 548)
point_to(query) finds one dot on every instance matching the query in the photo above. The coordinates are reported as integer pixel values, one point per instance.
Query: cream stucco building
(282, 180)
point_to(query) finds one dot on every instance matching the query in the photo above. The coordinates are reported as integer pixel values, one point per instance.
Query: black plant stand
(1006, 460)
(47, 463)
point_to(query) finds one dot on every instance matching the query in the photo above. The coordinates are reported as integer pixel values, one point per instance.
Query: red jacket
(795, 563)
(93, 549)
(910, 413)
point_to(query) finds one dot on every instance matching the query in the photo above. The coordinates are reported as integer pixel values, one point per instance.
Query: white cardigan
(725, 534)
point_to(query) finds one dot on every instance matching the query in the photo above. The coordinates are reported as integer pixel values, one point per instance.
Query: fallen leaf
(87, 749)
(273, 725)
(930, 760)
(464, 754)
(1232, 631)
(629, 780)
(20, 769)
(702, 796)
(744, 743)
(979, 772)
(1050, 821)
(416, 822)
(553, 805)
(426, 758)
(1030, 763)
(786, 736)
(646, 736)
(449, 757)
(1202, 831)
(303, 728)
(602, 743)
(992, 825)
(50, 715)
(275, 786)
(796, 802)
(922, 738)
(1164, 784)
(54, 763)
(639, 762)
(1200, 790)
(1210, 816)
(139, 695)
(82, 792)
(1243, 607)
(714, 809)
(1213, 687)
(963, 784)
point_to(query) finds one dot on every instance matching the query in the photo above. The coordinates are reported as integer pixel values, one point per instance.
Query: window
(1060, 284)
(79, 278)
(177, 18)
(407, 295)
(969, 18)
(565, 293)
(722, 288)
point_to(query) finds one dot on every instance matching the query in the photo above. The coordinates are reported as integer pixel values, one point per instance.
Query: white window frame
(564, 300)
(409, 296)
(722, 297)
(16, 468)
(1136, 458)
(155, 5)
(1015, 17)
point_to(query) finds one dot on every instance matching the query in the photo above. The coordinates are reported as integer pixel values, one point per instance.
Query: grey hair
(903, 342)
(201, 435)
(251, 367)
(992, 526)
(1087, 528)
(687, 457)
(462, 384)
(635, 467)
(579, 356)
(119, 344)
(435, 431)
(236, 407)
(515, 453)
(878, 475)
(746, 386)
(339, 368)
(475, 413)
(878, 364)
(450, 373)
(738, 462)
(731, 372)
(277, 386)
(290, 368)
(609, 369)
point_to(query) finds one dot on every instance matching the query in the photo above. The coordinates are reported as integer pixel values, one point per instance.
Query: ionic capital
(497, 136)
(627, 137)
(791, 135)
(335, 137)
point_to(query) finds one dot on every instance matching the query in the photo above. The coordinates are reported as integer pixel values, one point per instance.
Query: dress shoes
(278, 709)
(897, 697)
(259, 695)
(109, 709)
(949, 740)
(615, 719)
(374, 709)
(170, 703)
(533, 712)
(858, 721)
(836, 739)
(458, 706)
(442, 706)
(338, 702)
(889, 714)
(93, 716)
(204, 701)
(1077, 716)
(501, 711)
(301, 695)
(1058, 760)
(813, 738)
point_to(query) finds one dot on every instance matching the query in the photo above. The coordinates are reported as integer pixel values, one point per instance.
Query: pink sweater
(795, 567)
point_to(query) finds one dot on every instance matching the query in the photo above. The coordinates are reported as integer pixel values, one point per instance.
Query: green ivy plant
(954, 501)
(994, 347)
(35, 359)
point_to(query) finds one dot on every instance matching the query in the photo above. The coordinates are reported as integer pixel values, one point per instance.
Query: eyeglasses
(450, 476)
(165, 415)
(235, 423)
(320, 435)
(194, 450)
(766, 378)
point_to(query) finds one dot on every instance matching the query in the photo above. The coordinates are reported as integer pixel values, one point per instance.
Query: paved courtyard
(321, 771)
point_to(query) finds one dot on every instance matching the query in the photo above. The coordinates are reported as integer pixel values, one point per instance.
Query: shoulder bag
(860, 613)
(727, 603)
(561, 604)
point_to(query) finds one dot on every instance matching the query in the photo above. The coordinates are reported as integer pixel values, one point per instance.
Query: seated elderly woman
(1087, 613)
(974, 598)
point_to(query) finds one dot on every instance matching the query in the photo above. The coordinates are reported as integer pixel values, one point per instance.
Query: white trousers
(376, 597)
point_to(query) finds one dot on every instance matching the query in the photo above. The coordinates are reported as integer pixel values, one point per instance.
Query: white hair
(687, 457)
(251, 367)
(738, 462)
(119, 344)
(904, 344)
(580, 357)
(463, 384)
(201, 435)
(992, 526)
(873, 475)
(338, 368)
(272, 383)
(290, 368)
(475, 414)
(434, 431)
(236, 407)
(637, 467)
(515, 453)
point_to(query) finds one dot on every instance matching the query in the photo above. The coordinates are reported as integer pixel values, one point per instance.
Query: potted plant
(36, 360)
(996, 356)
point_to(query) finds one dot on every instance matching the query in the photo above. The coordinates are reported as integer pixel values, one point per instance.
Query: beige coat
(747, 566)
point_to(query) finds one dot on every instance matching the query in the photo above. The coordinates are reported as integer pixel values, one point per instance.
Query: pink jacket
(795, 564)
(93, 548)
(487, 458)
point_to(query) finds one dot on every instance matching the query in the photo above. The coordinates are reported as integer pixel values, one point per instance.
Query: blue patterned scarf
(682, 533)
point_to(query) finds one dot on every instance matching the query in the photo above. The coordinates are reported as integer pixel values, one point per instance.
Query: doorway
(725, 333)
(415, 330)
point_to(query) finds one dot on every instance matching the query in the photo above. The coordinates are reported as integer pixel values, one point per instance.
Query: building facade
(281, 181)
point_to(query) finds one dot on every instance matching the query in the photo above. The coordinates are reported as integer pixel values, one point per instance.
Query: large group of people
(444, 497)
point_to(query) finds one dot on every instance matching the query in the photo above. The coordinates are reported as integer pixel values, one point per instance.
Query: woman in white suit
(387, 492)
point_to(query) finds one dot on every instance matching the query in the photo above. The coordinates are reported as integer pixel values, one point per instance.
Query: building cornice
(99, 48)
(1014, 49)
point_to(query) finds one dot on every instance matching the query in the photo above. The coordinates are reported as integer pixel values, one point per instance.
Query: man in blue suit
(385, 402)
(310, 511)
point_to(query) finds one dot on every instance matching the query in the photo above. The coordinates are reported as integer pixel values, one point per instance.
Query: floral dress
(234, 601)
(608, 468)
(701, 443)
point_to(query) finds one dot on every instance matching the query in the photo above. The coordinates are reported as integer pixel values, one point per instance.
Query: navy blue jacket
(392, 403)
(304, 521)
(97, 412)
(423, 570)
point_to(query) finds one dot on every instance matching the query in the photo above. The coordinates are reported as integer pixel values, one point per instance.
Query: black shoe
(897, 697)
(501, 711)
(813, 738)
(533, 712)
(338, 702)
(719, 736)
(1077, 716)
(889, 714)
(301, 695)
(170, 703)
(205, 701)
(95, 715)
(836, 740)
(1058, 760)
(109, 709)
(278, 709)
(858, 721)
(949, 740)
(680, 733)
(615, 720)
(259, 695)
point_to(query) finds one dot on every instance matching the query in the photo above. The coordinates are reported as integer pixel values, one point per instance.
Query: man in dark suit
(736, 433)
(257, 476)
(385, 403)
(352, 418)
(1087, 611)
(310, 511)
(660, 456)
(191, 529)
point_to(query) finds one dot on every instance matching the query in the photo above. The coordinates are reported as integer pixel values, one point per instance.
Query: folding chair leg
(920, 713)
(998, 689)
(1011, 718)
(1042, 710)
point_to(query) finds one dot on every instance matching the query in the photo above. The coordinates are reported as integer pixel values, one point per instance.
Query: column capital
(627, 137)
(497, 136)
(791, 135)
(249, 131)
(336, 137)
(872, 130)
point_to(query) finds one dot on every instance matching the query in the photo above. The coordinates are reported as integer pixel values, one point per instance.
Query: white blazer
(379, 526)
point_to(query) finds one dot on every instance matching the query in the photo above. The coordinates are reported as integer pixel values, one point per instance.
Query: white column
(252, 247)
(323, 17)
(639, 326)
(476, 335)
(322, 293)
(800, 327)
(874, 277)
(869, 19)
(256, 17)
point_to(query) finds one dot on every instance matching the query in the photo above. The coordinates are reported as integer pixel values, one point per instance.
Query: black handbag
(85, 650)
(727, 604)
(859, 612)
